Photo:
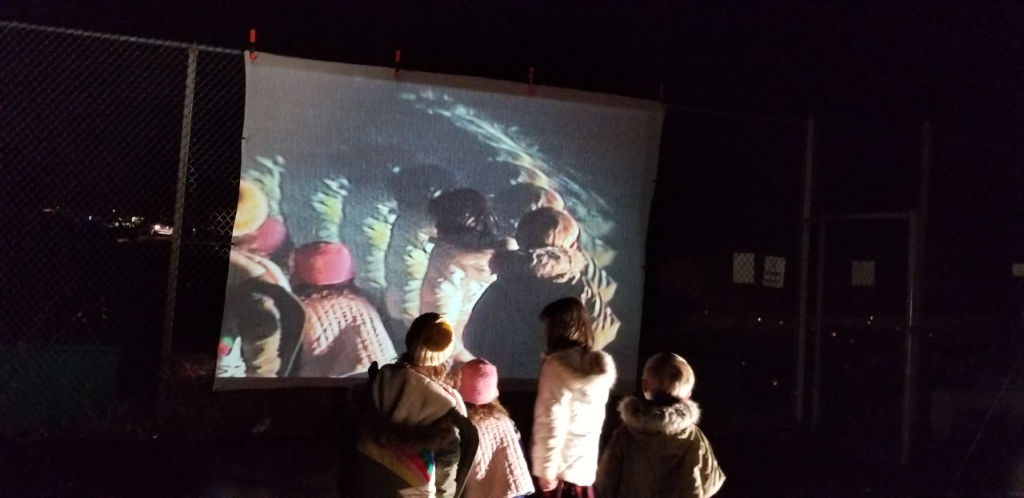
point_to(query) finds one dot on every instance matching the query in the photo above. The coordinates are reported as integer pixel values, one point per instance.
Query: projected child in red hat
(344, 333)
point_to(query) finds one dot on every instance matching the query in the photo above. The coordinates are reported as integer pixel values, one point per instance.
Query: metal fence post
(179, 207)
(908, 338)
(805, 262)
(916, 253)
(818, 320)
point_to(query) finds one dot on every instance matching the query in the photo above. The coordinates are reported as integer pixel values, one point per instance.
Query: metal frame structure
(916, 223)
(913, 290)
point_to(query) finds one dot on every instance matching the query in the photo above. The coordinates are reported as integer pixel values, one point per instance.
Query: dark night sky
(841, 60)
(875, 66)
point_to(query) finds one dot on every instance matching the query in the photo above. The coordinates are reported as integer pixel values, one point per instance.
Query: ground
(265, 466)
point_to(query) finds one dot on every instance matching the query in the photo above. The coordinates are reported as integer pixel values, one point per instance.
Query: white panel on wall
(774, 272)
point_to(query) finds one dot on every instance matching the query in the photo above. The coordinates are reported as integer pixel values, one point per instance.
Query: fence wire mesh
(89, 153)
(92, 144)
(119, 166)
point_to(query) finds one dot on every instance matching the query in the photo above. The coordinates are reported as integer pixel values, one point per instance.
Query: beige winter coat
(343, 336)
(499, 470)
(414, 438)
(569, 414)
(659, 452)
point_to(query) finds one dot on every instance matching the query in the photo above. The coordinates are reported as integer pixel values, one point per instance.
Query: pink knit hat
(269, 236)
(323, 263)
(479, 382)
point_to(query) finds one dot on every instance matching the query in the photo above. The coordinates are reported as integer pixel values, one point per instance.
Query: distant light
(780, 323)
(90, 218)
(743, 363)
(833, 334)
(775, 382)
(759, 319)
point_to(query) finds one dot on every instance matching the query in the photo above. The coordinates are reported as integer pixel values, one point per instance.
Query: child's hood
(406, 397)
(643, 417)
(578, 367)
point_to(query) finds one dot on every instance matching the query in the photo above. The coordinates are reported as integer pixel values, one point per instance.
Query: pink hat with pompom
(479, 382)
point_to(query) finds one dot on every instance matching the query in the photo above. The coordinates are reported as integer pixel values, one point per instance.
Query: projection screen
(367, 199)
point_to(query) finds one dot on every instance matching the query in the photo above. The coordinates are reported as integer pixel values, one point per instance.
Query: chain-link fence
(119, 164)
(723, 260)
(92, 130)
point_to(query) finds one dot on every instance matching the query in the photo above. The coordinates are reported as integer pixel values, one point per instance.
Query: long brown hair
(484, 412)
(568, 325)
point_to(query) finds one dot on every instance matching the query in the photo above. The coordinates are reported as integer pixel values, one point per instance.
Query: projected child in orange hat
(262, 319)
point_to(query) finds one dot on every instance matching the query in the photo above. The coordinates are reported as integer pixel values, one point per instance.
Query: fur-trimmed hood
(647, 417)
(551, 263)
(658, 451)
(579, 363)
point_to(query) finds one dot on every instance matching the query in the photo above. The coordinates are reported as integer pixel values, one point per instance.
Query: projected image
(365, 202)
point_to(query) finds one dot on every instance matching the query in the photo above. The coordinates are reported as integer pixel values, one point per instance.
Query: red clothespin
(252, 45)
(398, 60)
(530, 88)
(661, 95)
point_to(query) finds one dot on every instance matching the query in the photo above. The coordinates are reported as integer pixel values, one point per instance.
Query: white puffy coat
(569, 414)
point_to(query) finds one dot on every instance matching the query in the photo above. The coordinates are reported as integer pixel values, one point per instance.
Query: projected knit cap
(323, 263)
(252, 208)
(429, 341)
(479, 382)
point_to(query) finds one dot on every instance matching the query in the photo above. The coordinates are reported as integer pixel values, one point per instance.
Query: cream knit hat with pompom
(430, 340)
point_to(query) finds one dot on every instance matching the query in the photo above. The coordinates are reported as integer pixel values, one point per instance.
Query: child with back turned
(659, 452)
(572, 391)
(499, 470)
